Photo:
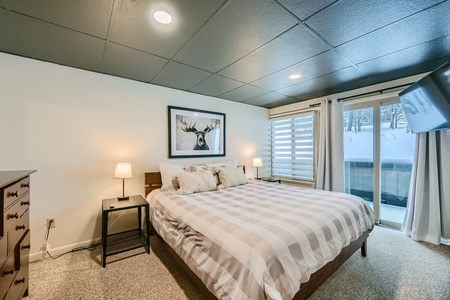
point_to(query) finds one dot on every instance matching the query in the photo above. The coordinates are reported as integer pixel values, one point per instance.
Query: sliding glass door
(378, 152)
(396, 154)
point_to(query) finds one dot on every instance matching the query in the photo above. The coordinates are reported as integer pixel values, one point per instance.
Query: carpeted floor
(396, 267)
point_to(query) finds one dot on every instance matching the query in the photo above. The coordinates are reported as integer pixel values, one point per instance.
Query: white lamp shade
(257, 162)
(123, 170)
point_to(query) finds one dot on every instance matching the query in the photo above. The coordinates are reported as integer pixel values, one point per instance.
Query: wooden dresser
(14, 233)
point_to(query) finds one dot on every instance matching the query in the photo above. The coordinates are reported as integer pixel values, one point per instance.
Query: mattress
(259, 240)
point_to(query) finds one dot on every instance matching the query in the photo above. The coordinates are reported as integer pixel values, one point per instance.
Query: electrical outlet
(51, 223)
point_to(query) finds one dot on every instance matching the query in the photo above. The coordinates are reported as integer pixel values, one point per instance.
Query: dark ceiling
(239, 50)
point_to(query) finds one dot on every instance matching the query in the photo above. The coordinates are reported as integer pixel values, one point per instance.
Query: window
(293, 147)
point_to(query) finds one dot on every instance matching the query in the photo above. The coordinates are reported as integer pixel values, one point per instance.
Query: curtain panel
(427, 215)
(330, 161)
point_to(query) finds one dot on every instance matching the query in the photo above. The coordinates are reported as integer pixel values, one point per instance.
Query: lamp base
(123, 198)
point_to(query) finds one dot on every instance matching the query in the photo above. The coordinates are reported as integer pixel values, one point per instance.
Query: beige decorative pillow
(204, 167)
(229, 177)
(195, 182)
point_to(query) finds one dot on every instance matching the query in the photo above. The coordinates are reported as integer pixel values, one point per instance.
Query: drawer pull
(13, 194)
(14, 216)
(9, 272)
(25, 202)
(26, 246)
(26, 185)
(20, 280)
(18, 227)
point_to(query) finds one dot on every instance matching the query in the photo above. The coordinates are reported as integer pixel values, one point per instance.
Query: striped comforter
(260, 240)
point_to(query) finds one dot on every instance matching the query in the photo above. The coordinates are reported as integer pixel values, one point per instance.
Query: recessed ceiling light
(162, 17)
(295, 76)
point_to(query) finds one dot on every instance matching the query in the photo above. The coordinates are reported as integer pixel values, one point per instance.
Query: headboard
(153, 181)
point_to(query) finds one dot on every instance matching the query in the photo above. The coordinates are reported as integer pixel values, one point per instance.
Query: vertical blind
(293, 147)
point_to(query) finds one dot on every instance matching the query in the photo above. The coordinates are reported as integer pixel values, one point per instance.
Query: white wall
(73, 126)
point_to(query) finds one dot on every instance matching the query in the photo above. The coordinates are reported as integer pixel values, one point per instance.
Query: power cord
(88, 247)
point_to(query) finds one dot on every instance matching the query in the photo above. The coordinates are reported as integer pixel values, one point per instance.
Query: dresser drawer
(13, 192)
(7, 274)
(19, 284)
(23, 252)
(17, 232)
(13, 214)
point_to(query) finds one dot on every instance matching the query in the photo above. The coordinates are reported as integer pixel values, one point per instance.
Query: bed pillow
(229, 177)
(204, 167)
(225, 164)
(169, 173)
(196, 182)
(193, 168)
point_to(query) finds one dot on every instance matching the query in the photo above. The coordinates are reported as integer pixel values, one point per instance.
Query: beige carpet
(396, 268)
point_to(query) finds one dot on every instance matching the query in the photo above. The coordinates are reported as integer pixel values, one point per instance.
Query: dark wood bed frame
(153, 181)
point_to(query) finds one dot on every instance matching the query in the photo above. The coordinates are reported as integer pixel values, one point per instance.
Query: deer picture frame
(195, 133)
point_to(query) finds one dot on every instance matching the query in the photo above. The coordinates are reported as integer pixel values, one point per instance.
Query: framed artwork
(195, 133)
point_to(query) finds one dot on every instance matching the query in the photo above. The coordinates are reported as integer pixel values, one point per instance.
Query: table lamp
(257, 162)
(123, 170)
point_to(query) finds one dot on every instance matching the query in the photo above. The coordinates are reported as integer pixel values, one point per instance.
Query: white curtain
(428, 210)
(330, 161)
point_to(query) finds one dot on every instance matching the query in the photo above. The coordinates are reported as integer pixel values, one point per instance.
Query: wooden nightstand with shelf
(125, 240)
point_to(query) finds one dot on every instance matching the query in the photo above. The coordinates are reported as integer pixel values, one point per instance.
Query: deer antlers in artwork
(201, 142)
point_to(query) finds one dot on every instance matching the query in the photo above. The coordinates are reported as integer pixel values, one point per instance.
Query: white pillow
(195, 182)
(231, 177)
(169, 174)
(225, 164)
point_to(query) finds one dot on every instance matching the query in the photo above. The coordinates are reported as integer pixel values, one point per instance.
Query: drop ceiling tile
(60, 45)
(285, 101)
(319, 83)
(356, 84)
(316, 66)
(243, 93)
(179, 76)
(307, 7)
(91, 16)
(406, 33)
(240, 27)
(267, 98)
(346, 20)
(216, 85)
(130, 63)
(10, 39)
(411, 56)
(297, 44)
(422, 67)
(135, 27)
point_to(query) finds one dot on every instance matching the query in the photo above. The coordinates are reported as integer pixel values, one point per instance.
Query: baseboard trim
(61, 250)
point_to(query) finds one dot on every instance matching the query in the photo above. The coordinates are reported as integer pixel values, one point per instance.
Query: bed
(259, 240)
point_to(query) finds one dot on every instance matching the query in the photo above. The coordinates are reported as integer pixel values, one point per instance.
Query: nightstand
(269, 179)
(125, 240)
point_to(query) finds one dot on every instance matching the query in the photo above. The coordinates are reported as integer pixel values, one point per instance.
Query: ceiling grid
(237, 50)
